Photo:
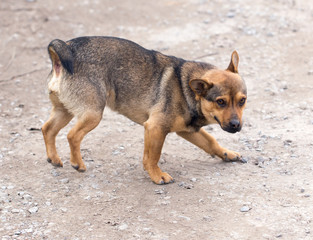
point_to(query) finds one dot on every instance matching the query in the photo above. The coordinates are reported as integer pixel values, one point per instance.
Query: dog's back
(120, 73)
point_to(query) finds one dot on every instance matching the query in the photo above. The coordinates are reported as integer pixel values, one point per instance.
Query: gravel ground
(269, 197)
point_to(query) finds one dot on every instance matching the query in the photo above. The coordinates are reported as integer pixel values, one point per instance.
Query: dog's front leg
(208, 143)
(154, 139)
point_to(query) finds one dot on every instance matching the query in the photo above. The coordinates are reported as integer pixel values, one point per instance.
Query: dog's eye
(242, 102)
(221, 102)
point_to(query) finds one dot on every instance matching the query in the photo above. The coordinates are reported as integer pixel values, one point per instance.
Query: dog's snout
(234, 123)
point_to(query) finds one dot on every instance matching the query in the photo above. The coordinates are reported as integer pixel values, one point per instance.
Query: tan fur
(163, 93)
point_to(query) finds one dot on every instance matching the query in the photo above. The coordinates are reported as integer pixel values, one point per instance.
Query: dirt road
(270, 197)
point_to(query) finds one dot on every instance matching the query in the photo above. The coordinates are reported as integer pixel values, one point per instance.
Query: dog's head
(222, 95)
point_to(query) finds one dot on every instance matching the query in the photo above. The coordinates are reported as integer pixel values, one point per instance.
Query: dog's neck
(197, 120)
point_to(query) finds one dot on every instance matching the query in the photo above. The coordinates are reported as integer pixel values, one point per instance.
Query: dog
(163, 93)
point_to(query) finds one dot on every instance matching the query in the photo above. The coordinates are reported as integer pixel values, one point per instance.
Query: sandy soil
(270, 197)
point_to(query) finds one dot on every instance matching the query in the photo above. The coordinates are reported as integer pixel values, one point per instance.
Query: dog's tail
(61, 56)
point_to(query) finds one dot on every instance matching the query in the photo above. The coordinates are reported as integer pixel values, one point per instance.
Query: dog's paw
(231, 156)
(159, 177)
(79, 168)
(55, 162)
(165, 178)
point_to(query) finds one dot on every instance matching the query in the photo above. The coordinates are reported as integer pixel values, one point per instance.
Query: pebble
(27, 197)
(184, 217)
(245, 209)
(63, 209)
(249, 31)
(65, 180)
(193, 179)
(33, 210)
(14, 210)
(231, 14)
(207, 218)
(303, 105)
(185, 185)
(244, 159)
(122, 227)
(260, 161)
(287, 142)
(55, 173)
(284, 85)
(21, 193)
(159, 191)
(87, 198)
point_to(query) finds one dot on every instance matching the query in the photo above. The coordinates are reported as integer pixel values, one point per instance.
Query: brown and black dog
(163, 93)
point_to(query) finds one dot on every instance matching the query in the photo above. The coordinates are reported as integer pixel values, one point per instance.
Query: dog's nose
(234, 123)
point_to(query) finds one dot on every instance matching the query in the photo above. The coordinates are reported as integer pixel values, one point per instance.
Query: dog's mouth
(228, 128)
(218, 121)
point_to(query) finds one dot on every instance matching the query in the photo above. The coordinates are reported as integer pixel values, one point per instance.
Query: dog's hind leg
(59, 118)
(154, 139)
(208, 143)
(87, 122)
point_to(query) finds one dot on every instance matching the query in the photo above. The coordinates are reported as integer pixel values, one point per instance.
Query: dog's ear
(200, 86)
(233, 65)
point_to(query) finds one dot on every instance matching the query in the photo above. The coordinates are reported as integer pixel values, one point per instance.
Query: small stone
(55, 173)
(193, 180)
(260, 161)
(231, 14)
(21, 193)
(245, 209)
(63, 210)
(18, 233)
(33, 210)
(27, 197)
(116, 152)
(65, 180)
(29, 230)
(249, 31)
(122, 227)
(159, 191)
(185, 185)
(207, 218)
(283, 85)
(184, 217)
(303, 106)
(14, 210)
(244, 160)
(287, 142)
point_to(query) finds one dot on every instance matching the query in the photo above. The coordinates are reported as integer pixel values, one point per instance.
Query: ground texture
(270, 197)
